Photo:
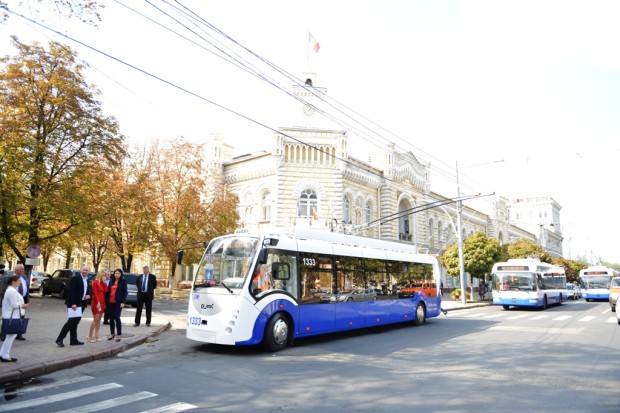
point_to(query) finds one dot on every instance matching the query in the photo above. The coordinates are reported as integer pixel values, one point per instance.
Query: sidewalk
(40, 355)
(449, 304)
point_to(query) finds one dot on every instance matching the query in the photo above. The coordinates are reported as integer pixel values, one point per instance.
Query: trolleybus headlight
(232, 322)
(228, 330)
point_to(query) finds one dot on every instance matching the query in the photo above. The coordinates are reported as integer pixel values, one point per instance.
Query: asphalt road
(486, 359)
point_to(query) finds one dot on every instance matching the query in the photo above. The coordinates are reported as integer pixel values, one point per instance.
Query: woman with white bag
(13, 307)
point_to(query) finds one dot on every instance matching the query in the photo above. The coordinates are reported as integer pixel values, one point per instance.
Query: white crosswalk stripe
(91, 404)
(498, 315)
(587, 318)
(176, 407)
(516, 317)
(612, 320)
(562, 317)
(58, 397)
(110, 403)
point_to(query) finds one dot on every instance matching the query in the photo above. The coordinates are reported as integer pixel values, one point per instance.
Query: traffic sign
(33, 251)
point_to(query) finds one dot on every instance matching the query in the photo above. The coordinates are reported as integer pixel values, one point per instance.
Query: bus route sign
(33, 251)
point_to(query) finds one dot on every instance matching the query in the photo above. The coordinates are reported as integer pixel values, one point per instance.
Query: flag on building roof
(314, 44)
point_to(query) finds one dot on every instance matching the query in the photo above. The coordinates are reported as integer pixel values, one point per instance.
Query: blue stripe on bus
(313, 319)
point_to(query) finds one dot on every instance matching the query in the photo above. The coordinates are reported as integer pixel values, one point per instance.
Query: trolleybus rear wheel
(420, 315)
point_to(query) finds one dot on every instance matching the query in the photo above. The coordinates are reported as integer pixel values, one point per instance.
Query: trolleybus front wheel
(276, 333)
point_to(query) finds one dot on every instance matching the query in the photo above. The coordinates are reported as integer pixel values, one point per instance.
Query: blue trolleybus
(270, 287)
(595, 281)
(528, 283)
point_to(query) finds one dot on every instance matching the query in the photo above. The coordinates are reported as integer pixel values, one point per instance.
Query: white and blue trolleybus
(270, 287)
(595, 281)
(528, 283)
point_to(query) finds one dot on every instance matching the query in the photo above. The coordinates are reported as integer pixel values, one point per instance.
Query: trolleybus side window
(317, 277)
(278, 273)
(350, 274)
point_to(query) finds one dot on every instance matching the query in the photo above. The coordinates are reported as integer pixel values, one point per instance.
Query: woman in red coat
(97, 305)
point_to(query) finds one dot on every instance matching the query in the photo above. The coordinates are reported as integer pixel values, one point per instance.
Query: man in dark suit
(146, 284)
(76, 303)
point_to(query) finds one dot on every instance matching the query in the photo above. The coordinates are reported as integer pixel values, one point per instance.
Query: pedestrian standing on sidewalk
(76, 303)
(13, 306)
(97, 305)
(23, 289)
(117, 295)
(106, 314)
(146, 284)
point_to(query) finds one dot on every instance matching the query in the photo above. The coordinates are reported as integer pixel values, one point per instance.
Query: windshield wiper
(212, 283)
(225, 286)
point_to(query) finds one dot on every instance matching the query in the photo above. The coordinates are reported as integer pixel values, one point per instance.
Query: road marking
(540, 317)
(111, 403)
(562, 317)
(40, 387)
(612, 320)
(59, 397)
(516, 317)
(495, 315)
(530, 329)
(587, 318)
(474, 315)
(176, 407)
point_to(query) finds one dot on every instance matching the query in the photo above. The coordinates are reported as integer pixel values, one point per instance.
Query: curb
(38, 369)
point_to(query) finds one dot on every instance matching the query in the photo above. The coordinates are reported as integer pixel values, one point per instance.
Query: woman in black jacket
(116, 297)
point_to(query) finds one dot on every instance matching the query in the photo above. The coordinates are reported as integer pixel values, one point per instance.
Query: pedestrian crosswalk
(64, 395)
(533, 316)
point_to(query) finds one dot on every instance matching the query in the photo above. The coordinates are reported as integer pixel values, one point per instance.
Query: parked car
(36, 278)
(614, 292)
(368, 294)
(132, 289)
(57, 283)
(571, 293)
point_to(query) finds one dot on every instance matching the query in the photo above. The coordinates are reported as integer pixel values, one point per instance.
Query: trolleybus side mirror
(262, 256)
(280, 271)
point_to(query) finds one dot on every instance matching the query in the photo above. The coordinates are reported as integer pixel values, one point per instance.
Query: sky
(533, 84)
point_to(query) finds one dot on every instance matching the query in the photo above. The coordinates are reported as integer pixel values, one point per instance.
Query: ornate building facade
(308, 178)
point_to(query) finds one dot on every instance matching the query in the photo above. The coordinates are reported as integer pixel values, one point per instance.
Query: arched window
(266, 206)
(368, 212)
(431, 232)
(307, 204)
(440, 232)
(346, 210)
(357, 210)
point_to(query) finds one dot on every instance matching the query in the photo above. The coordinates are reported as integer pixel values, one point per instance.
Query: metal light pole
(459, 207)
(459, 236)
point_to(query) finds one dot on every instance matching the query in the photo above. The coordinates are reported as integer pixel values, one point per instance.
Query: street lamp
(459, 207)
(459, 236)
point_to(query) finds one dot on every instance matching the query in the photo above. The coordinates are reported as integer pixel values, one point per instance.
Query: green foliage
(571, 267)
(52, 133)
(479, 255)
(524, 248)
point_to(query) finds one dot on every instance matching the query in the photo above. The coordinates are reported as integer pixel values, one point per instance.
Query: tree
(479, 255)
(184, 213)
(52, 130)
(571, 268)
(524, 248)
(85, 10)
